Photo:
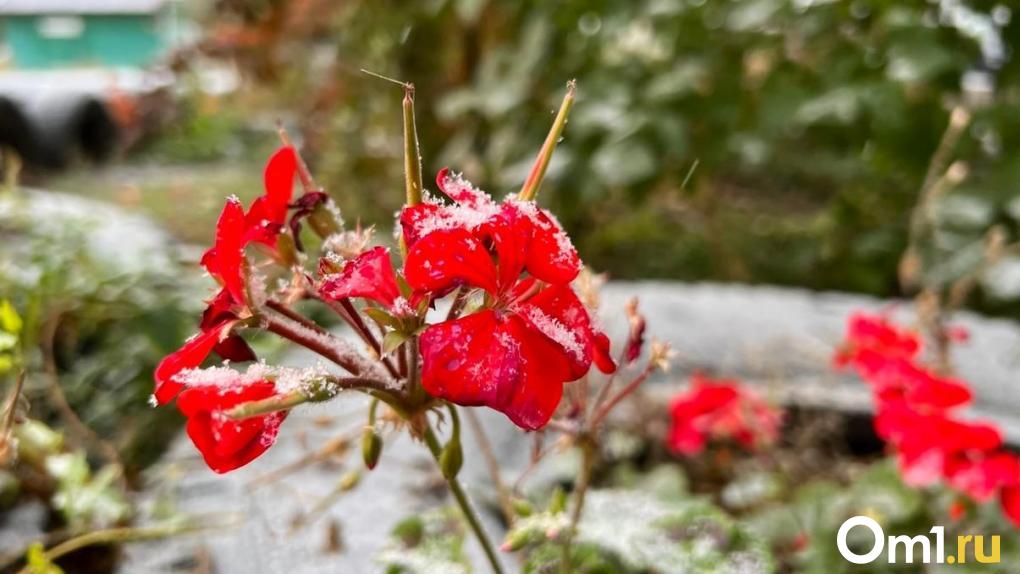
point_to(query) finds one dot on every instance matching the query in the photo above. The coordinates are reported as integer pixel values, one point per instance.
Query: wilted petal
(461, 191)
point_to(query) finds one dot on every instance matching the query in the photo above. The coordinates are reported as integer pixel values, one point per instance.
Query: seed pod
(371, 447)
(451, 459)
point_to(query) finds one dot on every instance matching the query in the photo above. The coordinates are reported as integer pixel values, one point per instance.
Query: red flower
(873, 340)
(1010, 500)
(268, 213)
(227, 444)
(192, 354)
(541, 244)
(370, 275)
(915, 416)
(516, 353)
(720, 409)
(225, 262)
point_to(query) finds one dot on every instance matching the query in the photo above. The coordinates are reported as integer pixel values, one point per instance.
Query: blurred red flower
(916, 415)
(720, 410)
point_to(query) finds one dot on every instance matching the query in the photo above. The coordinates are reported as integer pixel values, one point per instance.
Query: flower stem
(587, 446)
(465, 505)
(534, 181)
(116, 535)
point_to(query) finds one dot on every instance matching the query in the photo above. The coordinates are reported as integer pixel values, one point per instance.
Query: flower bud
(286, 250)
(522, 507)
(371, 447)
(517, 539)
(451, 459)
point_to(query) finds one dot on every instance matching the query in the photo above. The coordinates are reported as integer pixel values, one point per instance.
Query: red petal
(218, 311)
(484, 359)
(471, 361)
(510, 234)
(413, 220)
(1010, 499)
(557, 313)
(461, 191)
(227, 444)
(551, 256)
(370, 275)
(224, 260)
(603, 358)
(545, 370)
(189, 356)
(447, 258)
(279, 182)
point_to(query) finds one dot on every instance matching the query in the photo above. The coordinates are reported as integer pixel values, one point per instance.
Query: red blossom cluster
(516, 332)
(719, 410)
(917, 414)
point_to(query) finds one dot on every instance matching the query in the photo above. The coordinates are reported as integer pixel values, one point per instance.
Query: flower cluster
(720, 410)
(514, 334)
(917, 414)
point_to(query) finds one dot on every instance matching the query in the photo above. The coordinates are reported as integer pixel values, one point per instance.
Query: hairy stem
(580, 491)
(465, 505)
(320, 342)
(492, 463)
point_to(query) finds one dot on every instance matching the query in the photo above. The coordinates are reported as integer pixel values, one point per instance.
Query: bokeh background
(758, 141)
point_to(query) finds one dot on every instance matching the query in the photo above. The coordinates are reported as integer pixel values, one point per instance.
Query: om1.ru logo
(908, 544)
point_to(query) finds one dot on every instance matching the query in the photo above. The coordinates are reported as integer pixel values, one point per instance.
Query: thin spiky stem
(534, 181)
(412, 157)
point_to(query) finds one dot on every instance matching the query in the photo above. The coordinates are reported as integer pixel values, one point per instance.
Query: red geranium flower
(873, 341)
(225, 262)
(227, 444)
(531, 336)
(720, 409)
(544, 248)
(1010, 500)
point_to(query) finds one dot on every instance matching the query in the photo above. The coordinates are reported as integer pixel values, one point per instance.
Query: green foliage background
(779, 141)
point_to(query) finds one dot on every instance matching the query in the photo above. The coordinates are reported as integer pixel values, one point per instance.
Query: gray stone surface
(782, 339)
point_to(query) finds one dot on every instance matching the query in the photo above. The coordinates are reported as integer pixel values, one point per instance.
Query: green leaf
(393, 340)
(381, 317)
(427, 543)
(10, 321)
(38, 563)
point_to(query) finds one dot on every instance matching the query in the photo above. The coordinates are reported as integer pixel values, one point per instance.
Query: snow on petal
(227, 444)
(551, 256)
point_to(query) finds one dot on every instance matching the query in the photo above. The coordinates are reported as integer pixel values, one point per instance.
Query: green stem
(580, 490)
(465, 505)
(534, 181)
(116, 535)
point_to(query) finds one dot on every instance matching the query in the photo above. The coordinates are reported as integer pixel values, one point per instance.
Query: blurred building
(47, 34)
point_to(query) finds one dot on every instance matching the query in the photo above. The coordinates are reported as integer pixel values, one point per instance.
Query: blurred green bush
(779, 141)
(102, 300)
